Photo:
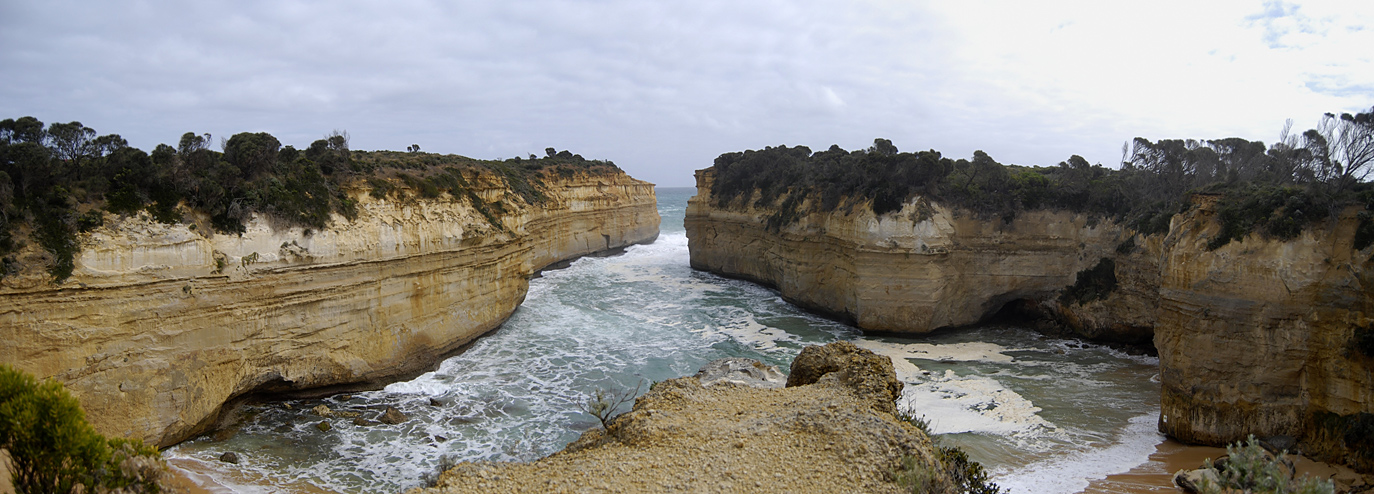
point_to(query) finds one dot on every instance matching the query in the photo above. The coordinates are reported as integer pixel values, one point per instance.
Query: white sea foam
(1073, 472)
(957, 404)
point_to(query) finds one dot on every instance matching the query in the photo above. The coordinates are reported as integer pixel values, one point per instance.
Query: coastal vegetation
(53, 450)
(1275, 190)
(59, 180)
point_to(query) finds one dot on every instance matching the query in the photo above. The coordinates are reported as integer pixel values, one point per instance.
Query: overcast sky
(663, 87)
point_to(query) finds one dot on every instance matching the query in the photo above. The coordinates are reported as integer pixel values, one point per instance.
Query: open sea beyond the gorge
(1043, 414)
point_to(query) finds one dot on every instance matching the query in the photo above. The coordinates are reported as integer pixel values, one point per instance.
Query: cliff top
(61, 180)
(1276, 190)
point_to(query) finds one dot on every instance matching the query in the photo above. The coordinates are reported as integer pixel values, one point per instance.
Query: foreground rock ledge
(828, 434)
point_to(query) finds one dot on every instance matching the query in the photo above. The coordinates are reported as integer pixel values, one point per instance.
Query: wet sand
(1170, 456)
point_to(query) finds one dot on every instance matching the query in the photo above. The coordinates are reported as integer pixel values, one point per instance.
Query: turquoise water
(1044, 414)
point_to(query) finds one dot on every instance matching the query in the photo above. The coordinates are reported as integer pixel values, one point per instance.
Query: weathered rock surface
(740, 371)
(1260, 337)
(161, 325)
(684, 437)
(913, 271)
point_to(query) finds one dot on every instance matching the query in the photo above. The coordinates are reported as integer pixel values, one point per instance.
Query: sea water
(1043, 414)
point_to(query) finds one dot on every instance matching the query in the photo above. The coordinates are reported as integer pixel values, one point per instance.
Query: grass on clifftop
(58, 180)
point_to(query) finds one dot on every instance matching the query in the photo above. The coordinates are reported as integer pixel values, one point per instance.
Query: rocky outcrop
(912, 271)
(160, 325)
(682, 436)
(1263, 336)
(1128, 313)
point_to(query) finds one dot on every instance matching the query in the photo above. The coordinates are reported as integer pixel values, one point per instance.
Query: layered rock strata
(1261, 336)
(1268, 337)
(822, 434)
(912, 271)
(161, 325)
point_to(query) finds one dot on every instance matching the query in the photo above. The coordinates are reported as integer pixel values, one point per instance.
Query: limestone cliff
(160, 325)
(1263, 337)
(912, 271)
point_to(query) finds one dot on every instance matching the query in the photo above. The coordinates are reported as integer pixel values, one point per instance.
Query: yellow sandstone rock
(160, 325)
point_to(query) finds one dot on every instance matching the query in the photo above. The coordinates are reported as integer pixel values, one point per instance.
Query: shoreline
(1156, 475)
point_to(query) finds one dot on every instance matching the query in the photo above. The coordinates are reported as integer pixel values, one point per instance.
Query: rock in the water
(870, 375)
(322, 411)
(434, 402)
(362, 422)
(343, 397)
(392, 416)
(229, 457)
(324, 426)
(1191, 480)
(740, 371)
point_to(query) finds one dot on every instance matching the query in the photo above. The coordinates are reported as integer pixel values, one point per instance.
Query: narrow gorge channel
(1045, 415)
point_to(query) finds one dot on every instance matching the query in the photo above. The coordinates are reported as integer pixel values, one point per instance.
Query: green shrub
(967, 475)
(1249, 468)
(53, 450)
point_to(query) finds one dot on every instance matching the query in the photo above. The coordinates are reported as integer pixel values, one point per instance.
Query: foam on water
(1073, 472)
(1029, 407)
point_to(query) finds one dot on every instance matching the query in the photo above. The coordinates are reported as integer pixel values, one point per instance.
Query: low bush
(53, 450)
(1249, 468)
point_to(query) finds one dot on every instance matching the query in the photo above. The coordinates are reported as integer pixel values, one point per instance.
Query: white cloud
(664, 87)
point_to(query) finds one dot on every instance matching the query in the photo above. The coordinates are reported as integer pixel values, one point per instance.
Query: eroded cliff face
(1259, 337)
(913, 271)
(160, 325)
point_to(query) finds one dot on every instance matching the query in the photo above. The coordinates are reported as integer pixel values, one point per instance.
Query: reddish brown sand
(1170, 456)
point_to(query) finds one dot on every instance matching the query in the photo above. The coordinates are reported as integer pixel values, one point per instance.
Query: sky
(663, 87)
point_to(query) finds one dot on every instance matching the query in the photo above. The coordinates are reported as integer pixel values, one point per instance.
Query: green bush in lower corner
(967, 475)
(53, 450)
(1249, 468)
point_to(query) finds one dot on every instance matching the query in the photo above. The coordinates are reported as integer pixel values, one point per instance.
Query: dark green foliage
(90, 220)
(968, 475)
(1279, 212)
(47, 174)
(1092, 284)
(253, 154)
(52, 448)
(1278, 190)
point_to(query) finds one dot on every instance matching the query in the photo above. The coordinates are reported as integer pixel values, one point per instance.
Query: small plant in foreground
(968, 475)
(1249, 468)
(53, 450)
(446, 462)
(603, 402)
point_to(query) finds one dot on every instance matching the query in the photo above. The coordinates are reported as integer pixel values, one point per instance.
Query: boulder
(229, 457)
(322, 411)
(1191, 481)
(392, 416)
(867, 374)
(740, 371)
(324, 426)
(362, 422)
